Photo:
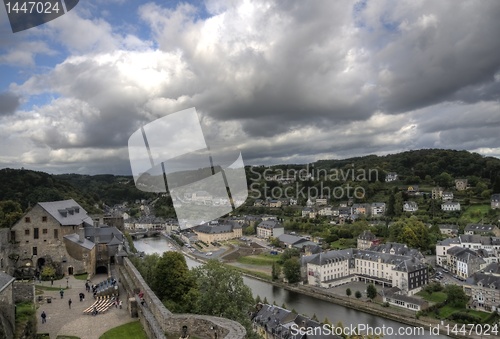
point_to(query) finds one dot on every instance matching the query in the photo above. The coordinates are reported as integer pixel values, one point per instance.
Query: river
(304, 304)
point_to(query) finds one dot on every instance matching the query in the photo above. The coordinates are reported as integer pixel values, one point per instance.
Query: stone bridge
(160, 323)
(143, 233)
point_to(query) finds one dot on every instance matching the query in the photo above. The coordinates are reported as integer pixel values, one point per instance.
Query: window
(44, 231)
(56, 234)
(27, 219)
(44, 219)
(35, 233)
(12, 235)
(35, 251)
(26, 232)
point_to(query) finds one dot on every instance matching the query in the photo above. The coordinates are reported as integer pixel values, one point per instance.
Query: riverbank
(393, 313)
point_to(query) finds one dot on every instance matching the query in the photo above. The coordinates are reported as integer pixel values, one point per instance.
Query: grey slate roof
(5, 280)
(399, 249)
(214, 229)
(486, 280)
(66, 212)
(493, 268)
(75, 238)
(103, 234)
(367, 235)
(291, 239)
(270, 224)
(479, 228)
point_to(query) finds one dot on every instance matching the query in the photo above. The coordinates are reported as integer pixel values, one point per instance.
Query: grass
(67, 337)
(435, 297)
(81, 276)
(132, 330)
(263, 259)
(25, 316)
(49, 288)
(447, 310)
(476, 212)
(258, 274)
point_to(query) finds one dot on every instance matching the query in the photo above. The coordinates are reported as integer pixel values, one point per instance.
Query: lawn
(343, 244)
(81, 276)
(49, 288)
(476, 212)
(435, 297)
(264, 259)
(25, 314)
(132, 330)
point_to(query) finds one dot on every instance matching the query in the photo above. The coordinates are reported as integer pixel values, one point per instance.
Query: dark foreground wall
(158, 320)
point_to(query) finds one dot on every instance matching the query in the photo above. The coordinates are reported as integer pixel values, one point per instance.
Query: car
(208, 254)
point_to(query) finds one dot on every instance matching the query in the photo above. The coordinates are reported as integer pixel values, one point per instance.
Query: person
(51, 281)
(61, 292)
(69, 302)
(143, 301)
(121, 303)
(94, 311)
(87, 286)
(44, 317)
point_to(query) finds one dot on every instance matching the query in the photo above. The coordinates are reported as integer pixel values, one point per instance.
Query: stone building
(7, 308)
(62, 234)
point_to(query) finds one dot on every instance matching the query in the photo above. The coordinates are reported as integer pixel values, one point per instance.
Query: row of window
(36, 233)
(28, 219)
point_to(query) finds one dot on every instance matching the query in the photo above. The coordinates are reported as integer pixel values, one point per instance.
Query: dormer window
(27, 219)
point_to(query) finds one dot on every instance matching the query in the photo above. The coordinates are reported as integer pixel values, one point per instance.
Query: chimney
(81, 234)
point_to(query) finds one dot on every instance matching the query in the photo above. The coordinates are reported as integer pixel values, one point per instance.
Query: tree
(357, 294)
(291, 269)
(371, 291)
(275, 274)
(348, 292)
(456, 296)
(222, 292)
(257, 299)
(10, 212)
(172, 280)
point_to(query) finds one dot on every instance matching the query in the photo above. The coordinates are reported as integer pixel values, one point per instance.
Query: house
(306, 211)
(463, 262)
(378, 209)
(275, 203)
(272, 322)
(481, 229)
(495, 201)
(450, 206)
(405, 301)
(361, 209)
(437, 193)
(447, 229)
(447, 196)
(366, 240)
(215, 231)
(259, 203)
(326, 211)
(461, 184)
(391, 176)
(410, 206)
(484, 290)
(413, 189)
(292, 241)
(321, 201)
(269, 228)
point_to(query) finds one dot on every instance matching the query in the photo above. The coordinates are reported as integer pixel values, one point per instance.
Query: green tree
(291, 269)
(275, 273)
(348, 292)
(371, 291)
(10, 212)
(48, 272)
(456, 296)
(357, 294)
(172, 280)
(222, 292)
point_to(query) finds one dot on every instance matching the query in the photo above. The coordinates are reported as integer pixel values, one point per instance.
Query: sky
(281, 81)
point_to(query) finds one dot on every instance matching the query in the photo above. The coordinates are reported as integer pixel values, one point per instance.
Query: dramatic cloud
(284, 81)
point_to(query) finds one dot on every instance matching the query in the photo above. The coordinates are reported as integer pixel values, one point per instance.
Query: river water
(307, 305)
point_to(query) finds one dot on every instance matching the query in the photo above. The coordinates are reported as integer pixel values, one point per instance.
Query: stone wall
(23, 291)
(157, 319)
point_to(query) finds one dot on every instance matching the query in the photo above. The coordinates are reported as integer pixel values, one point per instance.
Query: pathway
(61, 320)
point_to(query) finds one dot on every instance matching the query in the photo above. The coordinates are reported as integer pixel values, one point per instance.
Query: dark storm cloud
(9, 103)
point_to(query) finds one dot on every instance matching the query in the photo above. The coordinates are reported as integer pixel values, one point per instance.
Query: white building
(410, 206)
(450, 206)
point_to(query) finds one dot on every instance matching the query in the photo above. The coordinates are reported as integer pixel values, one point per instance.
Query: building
(215, 231)
(273, 322)
(63, 235)
(461, 184)
(391, 176)
(447, 196)
(405, 301)
(449, 230)
(270, 228)
(378, 209)
(484, 288)
(437, 193)
(480, 229)
(410, 206)
(334, 268)
(366, 240)
(495, 201)
(463, 262)
(489, 247)
(359, 209)
(450, 206)
(325, 211)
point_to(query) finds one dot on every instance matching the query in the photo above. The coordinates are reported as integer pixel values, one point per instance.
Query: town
(425, 250)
